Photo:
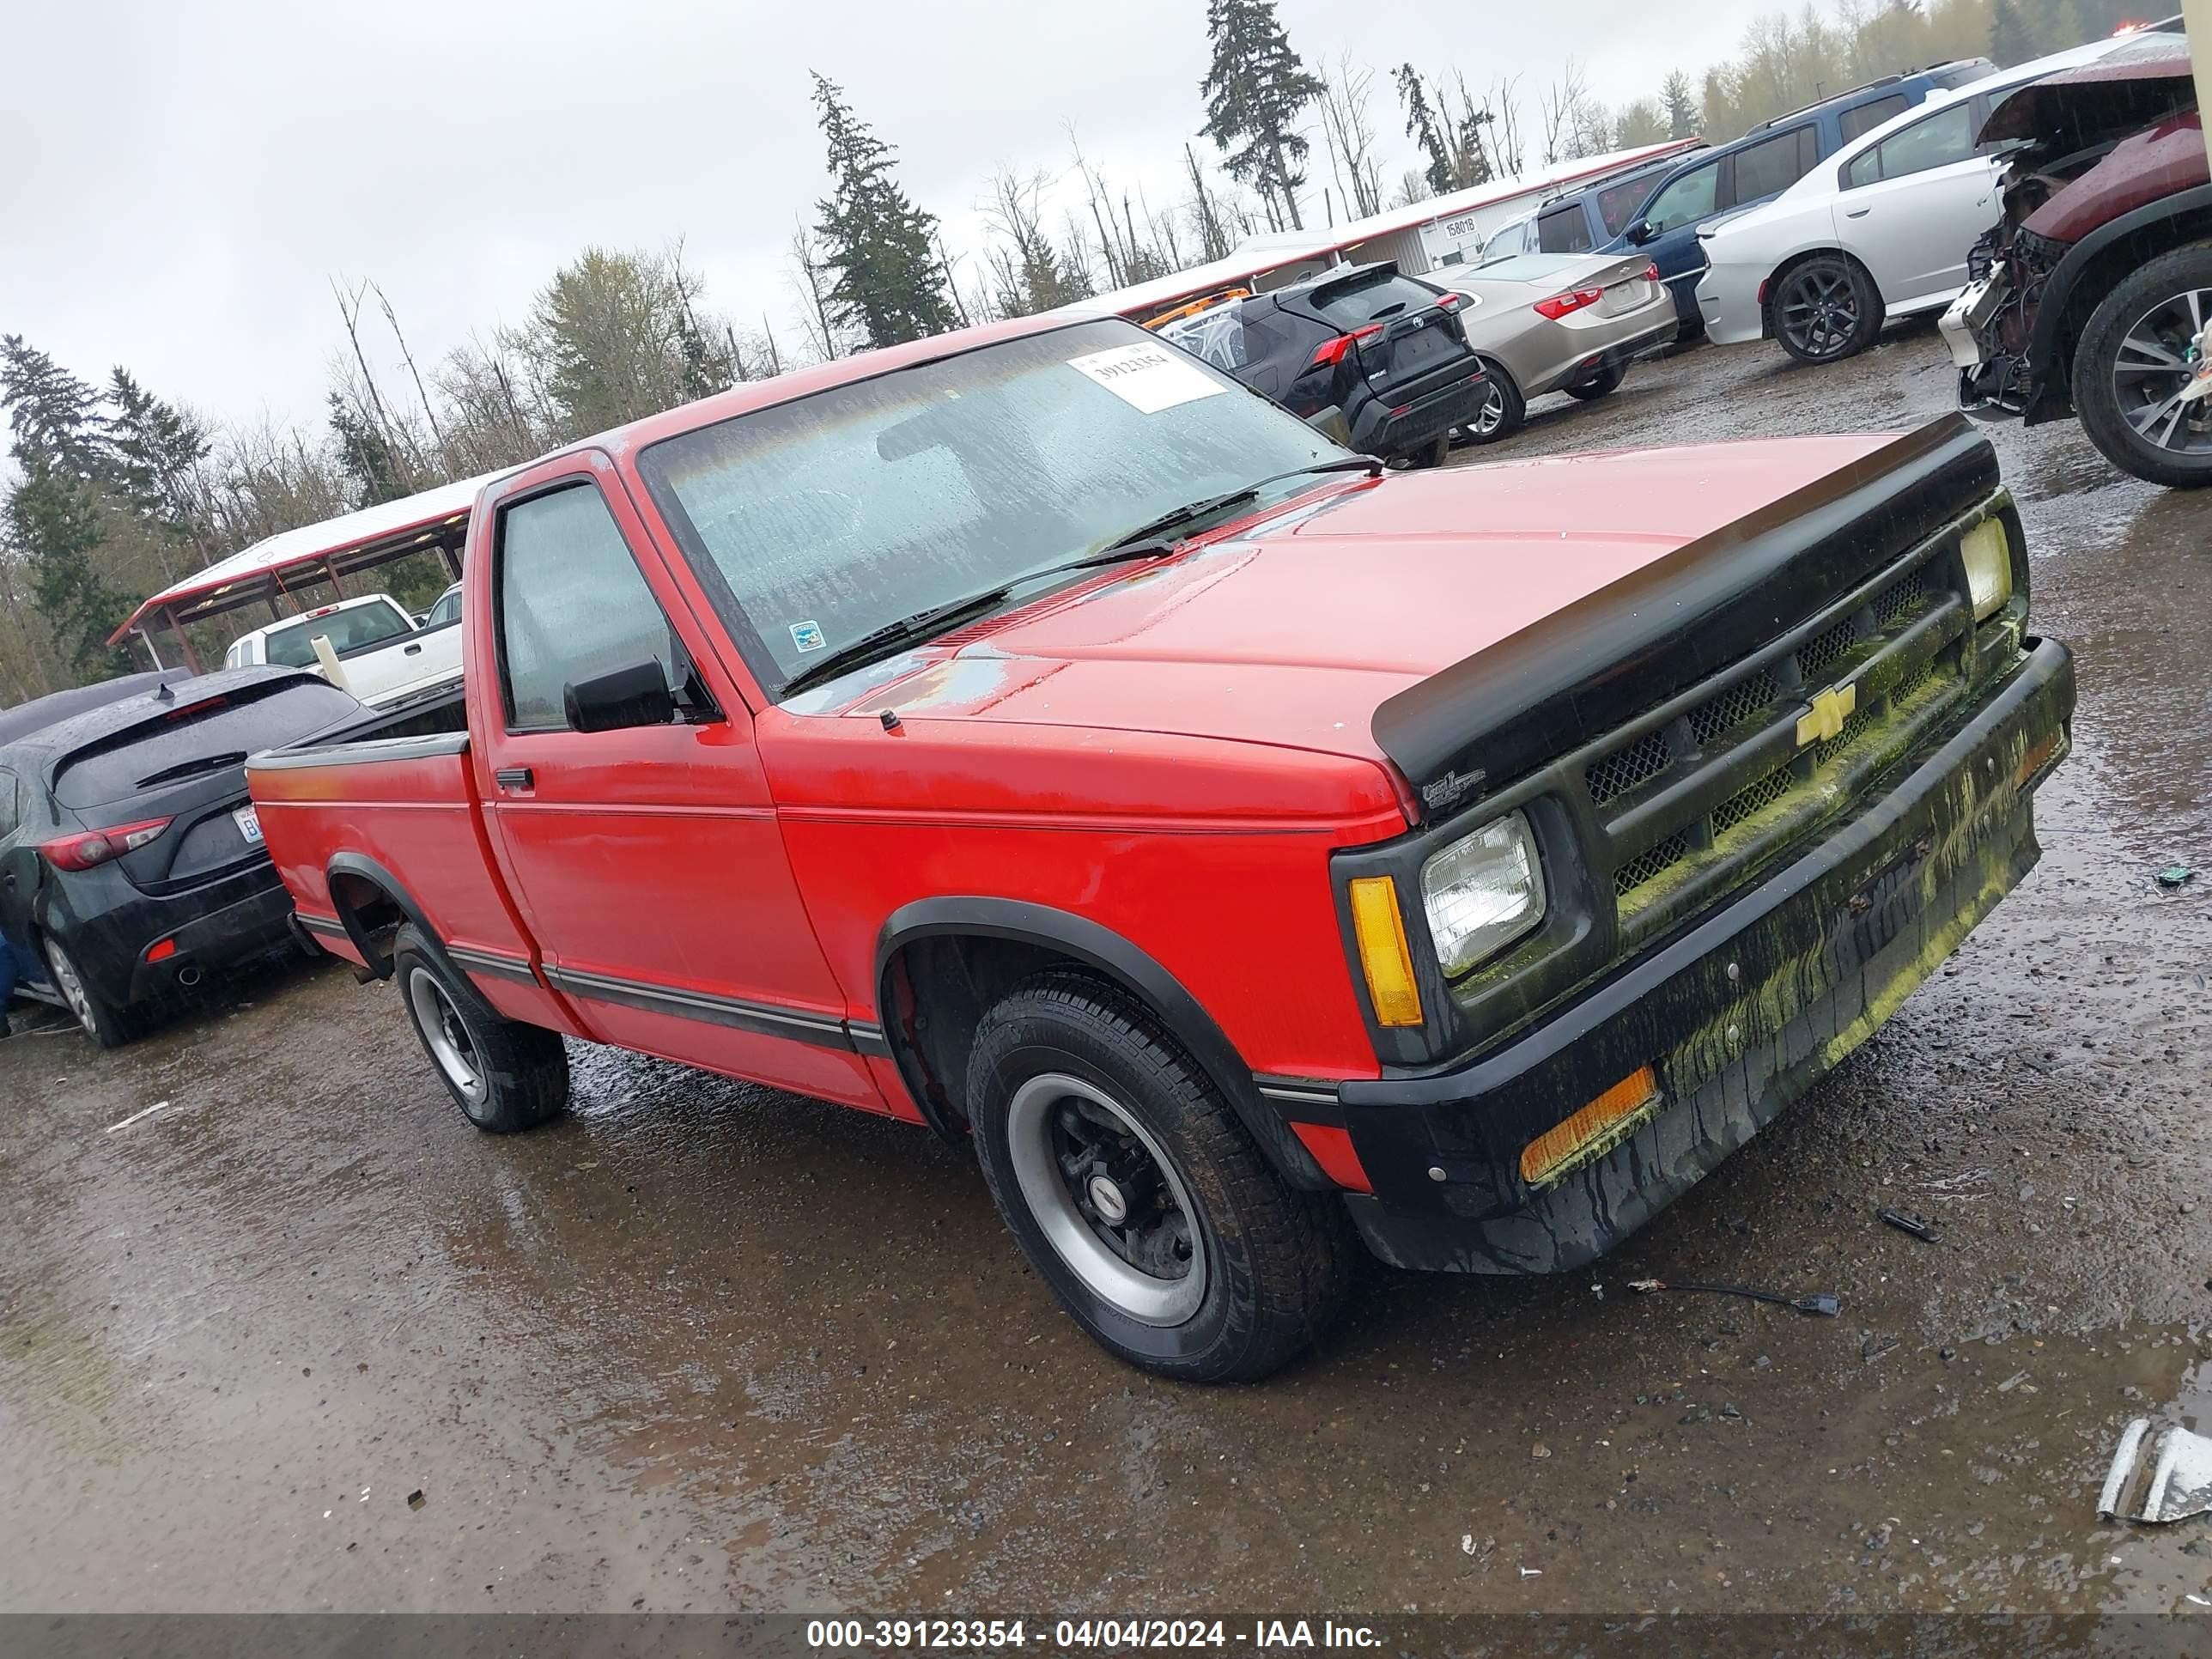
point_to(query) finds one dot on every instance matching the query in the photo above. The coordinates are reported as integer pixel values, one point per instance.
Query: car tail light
(1450, 301)
(1560, 304)
(97, 846)
(1332, 351)
(161, 949)
(1652, 271)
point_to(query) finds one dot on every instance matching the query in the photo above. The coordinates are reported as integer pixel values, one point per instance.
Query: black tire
(1503, 410)
(504, 1075)
(1434, 454)
(1603, 383)
(109, 1026)
(2174, 445)
(1271, 1265)
(1824, 309)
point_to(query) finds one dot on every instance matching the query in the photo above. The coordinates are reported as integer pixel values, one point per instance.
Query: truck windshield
(827, 518)
(349, 630)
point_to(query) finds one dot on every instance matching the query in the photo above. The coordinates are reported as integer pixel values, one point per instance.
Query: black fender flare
(2058, 287)
(362, 868)
(1100, 948)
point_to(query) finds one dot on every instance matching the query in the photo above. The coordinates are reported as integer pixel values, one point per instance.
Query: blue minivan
(1757, 167)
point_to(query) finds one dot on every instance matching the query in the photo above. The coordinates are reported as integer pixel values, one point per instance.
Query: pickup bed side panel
(415, 817)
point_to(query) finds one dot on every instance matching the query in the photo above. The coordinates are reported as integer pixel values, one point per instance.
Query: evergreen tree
(374, 473)
(2010, 41)
(1255, 91)
(1679, 105)
(155, 453)
(53, 514)
(887, 283)
(1421, 127)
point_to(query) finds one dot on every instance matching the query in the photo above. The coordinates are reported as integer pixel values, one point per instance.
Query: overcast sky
(179, 183)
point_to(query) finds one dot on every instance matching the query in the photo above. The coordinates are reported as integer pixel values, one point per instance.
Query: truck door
(646, 859)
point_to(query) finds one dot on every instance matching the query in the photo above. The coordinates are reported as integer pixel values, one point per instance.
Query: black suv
(131, 858)
(1376, 359)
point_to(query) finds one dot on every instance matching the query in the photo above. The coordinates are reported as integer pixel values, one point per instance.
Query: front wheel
(1500, 413)
(504, 1075)
(108, 1025)
(1824, 309)
(1137, 1196)
(1606, 381)
(2137, 365)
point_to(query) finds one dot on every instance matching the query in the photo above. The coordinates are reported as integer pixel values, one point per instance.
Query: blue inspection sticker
(807, 635)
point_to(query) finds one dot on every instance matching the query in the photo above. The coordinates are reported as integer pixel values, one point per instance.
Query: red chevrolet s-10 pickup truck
(1032, 733)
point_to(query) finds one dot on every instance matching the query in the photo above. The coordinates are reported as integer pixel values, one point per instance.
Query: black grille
(1648, 864)
(1750, 799)
(1907, 593)
(1622, 770)
(1723, 714)
(1825, 650)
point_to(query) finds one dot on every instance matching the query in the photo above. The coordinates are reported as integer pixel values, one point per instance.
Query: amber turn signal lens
(1591, 1130)
(1383, 956)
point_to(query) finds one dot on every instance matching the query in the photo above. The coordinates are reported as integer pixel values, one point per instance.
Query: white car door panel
(1913, 232)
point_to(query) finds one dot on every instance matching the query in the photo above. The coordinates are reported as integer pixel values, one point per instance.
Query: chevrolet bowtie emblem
(1824, 721)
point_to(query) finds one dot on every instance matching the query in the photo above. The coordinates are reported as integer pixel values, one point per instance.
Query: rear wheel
(2137, 363)
(1824, 309)
(105, 1022)
(1502, 410)
(504, 1075)
(1605, 381)
(1434, 454)
(1137, 1196)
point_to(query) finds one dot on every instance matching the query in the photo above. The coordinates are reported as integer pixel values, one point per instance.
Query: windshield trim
(752, 649)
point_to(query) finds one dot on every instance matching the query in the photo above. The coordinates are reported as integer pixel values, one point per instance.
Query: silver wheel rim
(444, 1035)
(1491, 415)
(1078, 1158)
(2156, 365)
(70, 987)
(1819, 311)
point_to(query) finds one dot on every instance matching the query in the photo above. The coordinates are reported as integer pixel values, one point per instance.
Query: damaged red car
(2092, 296)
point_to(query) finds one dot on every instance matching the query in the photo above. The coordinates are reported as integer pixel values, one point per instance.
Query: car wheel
(1434, 454)
(1501, 412)
(108, 1025)
(1604, 382)
(2138, 358)
(504, 1075)
(1824, 309)
(1137, 1196)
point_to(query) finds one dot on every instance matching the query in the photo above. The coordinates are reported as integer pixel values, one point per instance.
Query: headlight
(1482, 892)
(1988, 556)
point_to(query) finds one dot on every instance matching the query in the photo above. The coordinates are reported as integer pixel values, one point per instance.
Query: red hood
(1290, 630)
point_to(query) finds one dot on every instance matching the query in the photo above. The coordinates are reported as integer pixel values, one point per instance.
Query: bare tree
(1560, 109)
(392, 321)
(372, 408)
(1502, 104)
(1205, 211)
(1351, 136)
(810, 275)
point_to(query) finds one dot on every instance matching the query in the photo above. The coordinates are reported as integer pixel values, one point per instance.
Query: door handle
(411, 651)
(514, 777)
(1858, 213)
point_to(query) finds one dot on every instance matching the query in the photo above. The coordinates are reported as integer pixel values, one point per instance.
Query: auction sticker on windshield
(1148, 377)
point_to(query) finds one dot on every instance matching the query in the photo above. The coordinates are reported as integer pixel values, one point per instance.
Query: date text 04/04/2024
(1108, 1635)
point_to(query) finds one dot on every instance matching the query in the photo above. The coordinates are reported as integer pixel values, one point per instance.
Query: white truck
(374, 648)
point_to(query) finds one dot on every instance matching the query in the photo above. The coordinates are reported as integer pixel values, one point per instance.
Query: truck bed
(395, 795)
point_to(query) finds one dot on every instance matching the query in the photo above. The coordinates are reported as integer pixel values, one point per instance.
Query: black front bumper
(1738, 1011)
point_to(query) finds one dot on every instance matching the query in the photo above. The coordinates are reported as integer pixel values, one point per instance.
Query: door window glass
(1773, 164)
(1564, 230)
(572, 604)
(1866, 117)
(1689, 197)
(1937, 142)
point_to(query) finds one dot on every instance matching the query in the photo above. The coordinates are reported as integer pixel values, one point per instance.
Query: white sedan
(1879, 230)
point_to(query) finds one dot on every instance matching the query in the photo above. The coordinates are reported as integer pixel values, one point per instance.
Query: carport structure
(271, 572)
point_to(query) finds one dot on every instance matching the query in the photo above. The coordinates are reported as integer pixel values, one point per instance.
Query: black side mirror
(1641, 232)
(637, 695)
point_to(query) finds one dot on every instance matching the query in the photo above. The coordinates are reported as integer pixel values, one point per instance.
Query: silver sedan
(1557, 322)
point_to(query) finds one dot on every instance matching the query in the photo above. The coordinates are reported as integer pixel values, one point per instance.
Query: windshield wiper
(187, 768)
(1153, 528)
(1144, 542)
